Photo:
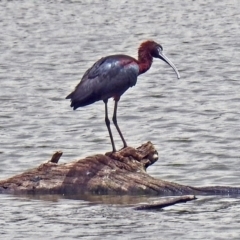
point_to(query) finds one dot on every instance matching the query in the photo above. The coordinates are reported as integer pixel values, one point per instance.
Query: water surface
(47, 46)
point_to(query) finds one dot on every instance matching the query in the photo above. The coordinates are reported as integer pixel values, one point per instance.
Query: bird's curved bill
(165, 59)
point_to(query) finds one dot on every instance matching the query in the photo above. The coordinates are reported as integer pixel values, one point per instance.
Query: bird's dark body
(109, 77)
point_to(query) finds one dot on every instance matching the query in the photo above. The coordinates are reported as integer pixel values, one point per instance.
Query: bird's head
(156, 51)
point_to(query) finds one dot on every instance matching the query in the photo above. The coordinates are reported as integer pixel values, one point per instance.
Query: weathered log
(123, 172)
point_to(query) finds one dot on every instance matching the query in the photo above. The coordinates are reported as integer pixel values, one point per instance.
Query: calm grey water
(46, 46)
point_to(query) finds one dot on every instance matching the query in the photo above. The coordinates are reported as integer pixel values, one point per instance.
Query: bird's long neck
(144, 60)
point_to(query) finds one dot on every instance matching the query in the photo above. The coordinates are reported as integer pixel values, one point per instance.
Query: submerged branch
(165, 202)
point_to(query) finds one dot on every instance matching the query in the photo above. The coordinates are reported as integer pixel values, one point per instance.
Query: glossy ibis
(111, 76)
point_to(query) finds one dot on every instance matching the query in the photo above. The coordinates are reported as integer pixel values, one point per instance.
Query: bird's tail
(69, 96)
(77, 102)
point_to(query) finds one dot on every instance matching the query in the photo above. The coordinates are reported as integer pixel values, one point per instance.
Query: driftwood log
(120, 173)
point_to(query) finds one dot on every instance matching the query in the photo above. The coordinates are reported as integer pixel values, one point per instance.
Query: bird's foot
(125, 146)
(115, 155)
(125, 152)
(145, 154)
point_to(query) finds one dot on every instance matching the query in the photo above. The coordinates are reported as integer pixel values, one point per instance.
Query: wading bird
(111, 76)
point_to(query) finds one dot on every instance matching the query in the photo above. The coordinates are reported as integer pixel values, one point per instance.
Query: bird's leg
(108, 125)
(115, 122)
